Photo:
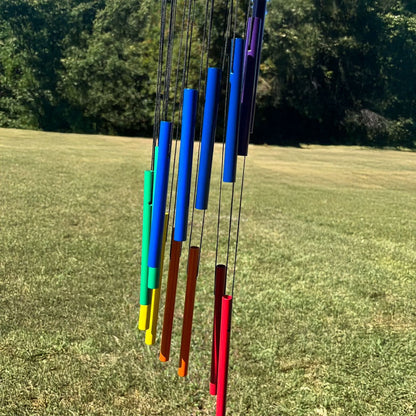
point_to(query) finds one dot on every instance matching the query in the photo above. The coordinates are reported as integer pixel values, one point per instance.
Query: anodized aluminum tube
(226, 309)
(175, 257)
(212, 100)
(190, 99)
(259, 10)
(147, 217)
(220, 277)
(188, 313)
(249, 77)
(236, 72)
(159, 204)
(150, 336)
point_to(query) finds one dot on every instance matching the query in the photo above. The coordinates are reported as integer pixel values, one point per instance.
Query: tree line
(332, 72)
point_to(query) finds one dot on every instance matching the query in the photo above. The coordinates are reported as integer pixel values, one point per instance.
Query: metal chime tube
(147, 217)
(193, 265)
(259, 10)
(150, 336)
(190, 99)
(252, 48)
(220, 278)
(159, 204)
(244, 73)
(212, 100)
(230, 156)
(175, 256)
(226, 309)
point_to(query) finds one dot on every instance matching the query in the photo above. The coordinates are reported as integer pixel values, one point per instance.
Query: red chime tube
(226, 307)
(220, 277)
(193, 265)
(175, 256)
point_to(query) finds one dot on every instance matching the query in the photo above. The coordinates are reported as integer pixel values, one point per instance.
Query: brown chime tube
(193, 265)
(220, 278)
(175, 256)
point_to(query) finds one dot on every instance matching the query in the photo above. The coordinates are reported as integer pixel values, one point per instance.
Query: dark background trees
(332, 71)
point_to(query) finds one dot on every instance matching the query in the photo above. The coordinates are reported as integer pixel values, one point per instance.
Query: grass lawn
(325, 296)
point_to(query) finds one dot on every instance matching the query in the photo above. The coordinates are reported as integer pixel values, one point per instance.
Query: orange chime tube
(220, 277)
(193, 265)
(226, 308)
(150, 336)
(175, 256)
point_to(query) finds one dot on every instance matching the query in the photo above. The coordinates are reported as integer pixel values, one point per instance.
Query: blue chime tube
(212, 100)
(159, 204)
(190, 99)
(252, 48)
(230, 155)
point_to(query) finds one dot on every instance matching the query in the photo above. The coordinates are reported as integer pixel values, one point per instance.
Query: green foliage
(326, 60)
(110, 79)
(35, 32)
(91, 65)
(15, 82)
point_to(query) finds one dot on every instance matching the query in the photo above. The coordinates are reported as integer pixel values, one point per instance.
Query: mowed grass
(324, 316)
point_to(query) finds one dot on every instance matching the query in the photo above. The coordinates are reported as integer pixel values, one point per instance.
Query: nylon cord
(233, 185)
(174, 111)
(172, 21)
(223, 65)
(180, 103)
(243, 173)
(204, 49)
(238, 226)
(206, 72)
(189, 33)
(159, 81)
(230, 224)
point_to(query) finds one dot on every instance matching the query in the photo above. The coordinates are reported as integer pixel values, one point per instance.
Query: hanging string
(185, 13)
(223, 66)
(248, 14)
(168, 72)
(174, 109)
(242, 184)
(189, 34)
(230, 224)
(159, 81)
(206, 40)
(238, 225)
(233, 184)
(225, 33)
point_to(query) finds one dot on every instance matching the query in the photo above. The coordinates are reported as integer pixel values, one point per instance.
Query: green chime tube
(147, 217)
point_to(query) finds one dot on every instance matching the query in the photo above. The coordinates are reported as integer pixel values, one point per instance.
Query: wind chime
(242, 56)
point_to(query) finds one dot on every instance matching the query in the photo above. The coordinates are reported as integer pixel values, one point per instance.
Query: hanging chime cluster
(242, 56)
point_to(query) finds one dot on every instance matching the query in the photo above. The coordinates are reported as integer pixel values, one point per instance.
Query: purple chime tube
(259, 10)
(252, 49)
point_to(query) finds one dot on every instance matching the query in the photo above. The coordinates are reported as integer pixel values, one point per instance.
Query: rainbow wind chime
(242, 57)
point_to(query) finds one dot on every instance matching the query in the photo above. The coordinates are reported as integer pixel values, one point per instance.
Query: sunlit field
(324, 316)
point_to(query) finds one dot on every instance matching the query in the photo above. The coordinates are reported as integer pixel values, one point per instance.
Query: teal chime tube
(159, 203)
(236, 72)
(212, 100)
(190, 99)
